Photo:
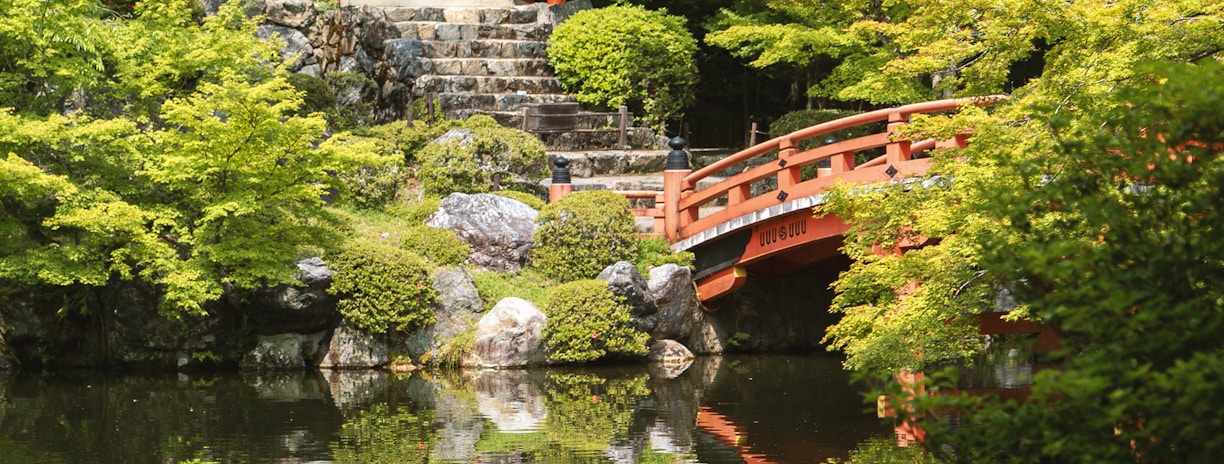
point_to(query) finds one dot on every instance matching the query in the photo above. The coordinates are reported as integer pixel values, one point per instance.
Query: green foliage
(453, 350)
(627, 55)
(586, 323)
(795, 120)
(382, 288)
(825, 43)
(1092, 196)
(580, 235)
(654, 251)
(528, 284)
(181, 160)
(440, 246)
(479, 157)
(417, 212)
(528, 199)
(353, 92)
(405, 140)
(317, 96)
(884, 450)
(1127, 271)
(376, 186)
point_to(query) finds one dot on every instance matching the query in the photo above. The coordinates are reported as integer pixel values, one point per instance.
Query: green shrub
(374, 187)
(527, 284)
(381, 287)
(582, 234)
(440, 246)
(353, 91)
(627, 55)
(416, 212)
(587, 322)
(530, 200)
(654, 251)
(479, 157)
(317, 96)
(405, 140)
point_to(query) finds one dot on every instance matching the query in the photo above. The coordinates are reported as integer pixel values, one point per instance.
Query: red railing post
(673, 186)
(897, 150)
(787, 177)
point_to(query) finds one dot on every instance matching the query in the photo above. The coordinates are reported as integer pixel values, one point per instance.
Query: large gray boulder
(282, 352)
(297, 46)
(626, 282)
(672, 287)
(510, 335)
(307, 308)
(459, 306)
(407, 58)
(498, 229)
(290, 13)
(351, 348)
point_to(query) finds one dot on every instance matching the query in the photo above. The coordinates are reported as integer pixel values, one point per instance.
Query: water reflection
(719, 410)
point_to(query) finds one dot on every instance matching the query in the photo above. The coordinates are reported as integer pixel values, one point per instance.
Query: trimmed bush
(530, 200)
(382, 288)
(586, 322)
(582, 234)
(440, 246)
(654, 251)
(479, 157)
(527, 284)
(627, 55)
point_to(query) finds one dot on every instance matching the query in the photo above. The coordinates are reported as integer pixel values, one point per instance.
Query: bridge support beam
(721, 283)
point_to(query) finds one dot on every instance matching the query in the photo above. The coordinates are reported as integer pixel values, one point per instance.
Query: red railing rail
(787, 169)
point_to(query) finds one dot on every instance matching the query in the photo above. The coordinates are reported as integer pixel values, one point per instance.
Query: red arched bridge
(759, 221)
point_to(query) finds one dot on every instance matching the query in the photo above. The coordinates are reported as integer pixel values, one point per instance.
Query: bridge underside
(780, 246)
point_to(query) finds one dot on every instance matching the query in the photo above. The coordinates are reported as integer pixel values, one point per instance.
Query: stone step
(453, 103)
(432, 3)
(435, 30)
(637, 138)
(487, 48)
(525, 67)
(490, 84)
(641, 168)
(504, 118)
(437, 13)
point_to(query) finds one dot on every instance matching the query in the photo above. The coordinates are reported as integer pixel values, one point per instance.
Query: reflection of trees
(589, 412)
(884, 450)
(382, 434)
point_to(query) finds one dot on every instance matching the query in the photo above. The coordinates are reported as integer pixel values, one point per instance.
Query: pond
(733, 409)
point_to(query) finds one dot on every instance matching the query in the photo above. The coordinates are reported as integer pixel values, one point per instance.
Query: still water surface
(758, 409)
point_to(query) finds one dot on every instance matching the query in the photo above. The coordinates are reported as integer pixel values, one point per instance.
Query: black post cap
(561, 174)
(677, 159)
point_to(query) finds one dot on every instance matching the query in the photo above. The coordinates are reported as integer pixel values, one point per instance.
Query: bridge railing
(683, 202)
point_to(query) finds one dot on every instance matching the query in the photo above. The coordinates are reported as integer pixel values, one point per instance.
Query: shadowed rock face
(510, 335)
(498, 229)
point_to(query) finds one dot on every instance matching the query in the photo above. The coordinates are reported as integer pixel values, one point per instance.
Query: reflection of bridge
(760, 221)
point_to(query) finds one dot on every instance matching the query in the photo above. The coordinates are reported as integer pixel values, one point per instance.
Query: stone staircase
(490, 57)
(480, 57)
